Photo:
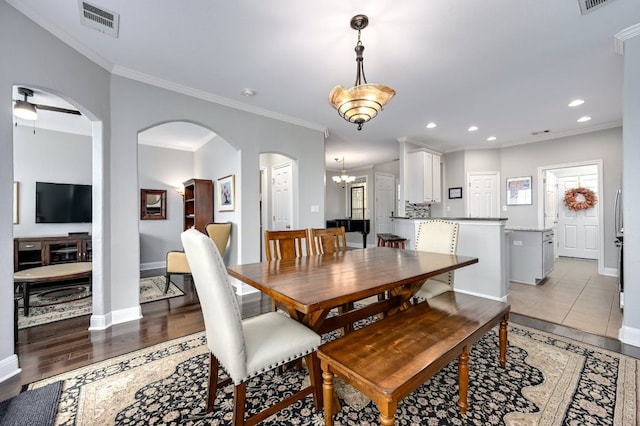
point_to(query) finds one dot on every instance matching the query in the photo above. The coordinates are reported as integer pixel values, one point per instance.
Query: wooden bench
(48, 274)
(389, 359)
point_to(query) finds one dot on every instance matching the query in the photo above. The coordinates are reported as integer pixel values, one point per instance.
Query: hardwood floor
(65, 345)
(54, 348)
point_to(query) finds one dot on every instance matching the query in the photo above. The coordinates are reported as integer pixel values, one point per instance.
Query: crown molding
(624, 35)
(209, 97)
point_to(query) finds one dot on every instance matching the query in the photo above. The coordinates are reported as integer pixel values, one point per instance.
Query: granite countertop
(489, 219)
(527, 229)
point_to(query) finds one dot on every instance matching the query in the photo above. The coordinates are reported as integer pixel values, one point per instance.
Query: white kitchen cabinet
(530, 255)
(423, 177)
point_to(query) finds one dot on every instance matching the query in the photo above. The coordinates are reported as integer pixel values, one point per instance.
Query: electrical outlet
(517, 243)
(315, 209)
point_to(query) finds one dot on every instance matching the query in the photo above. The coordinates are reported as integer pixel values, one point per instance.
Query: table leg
(503, 341)
(26, 290)
(463, 379)
(387, 413)
(364, 240)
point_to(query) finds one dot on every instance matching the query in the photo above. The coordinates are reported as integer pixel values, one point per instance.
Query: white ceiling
(508, 67)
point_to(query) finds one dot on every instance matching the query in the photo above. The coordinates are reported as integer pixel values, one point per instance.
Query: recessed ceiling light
(472, 129)
(576, 102)
(248, 92)
(583, 119)
(491, 138)
(431, 125)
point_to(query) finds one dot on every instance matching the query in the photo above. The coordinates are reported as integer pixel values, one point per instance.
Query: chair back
(286, 244)
(222, 319)
(438, 236)
(328, 240)
(219, 233)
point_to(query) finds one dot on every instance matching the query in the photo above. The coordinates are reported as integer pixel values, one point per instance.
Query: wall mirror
(153, 204)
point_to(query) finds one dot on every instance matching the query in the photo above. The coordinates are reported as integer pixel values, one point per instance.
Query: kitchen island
(483, 238)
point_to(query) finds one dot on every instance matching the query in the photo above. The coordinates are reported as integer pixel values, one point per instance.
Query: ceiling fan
(29, 111)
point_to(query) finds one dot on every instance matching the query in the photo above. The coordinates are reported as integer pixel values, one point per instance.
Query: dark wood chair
(286, 244)
(328, 240)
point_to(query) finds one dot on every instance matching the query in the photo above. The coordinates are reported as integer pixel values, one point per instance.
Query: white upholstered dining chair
(250, 347)
(438, 236)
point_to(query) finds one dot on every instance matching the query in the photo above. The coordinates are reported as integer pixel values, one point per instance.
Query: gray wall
(631, 147)
(47, 156)
(524, 160)
(162, 168)
(120, 108)
(39, 60)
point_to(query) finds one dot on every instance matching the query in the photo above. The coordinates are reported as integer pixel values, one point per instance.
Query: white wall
(47, 156)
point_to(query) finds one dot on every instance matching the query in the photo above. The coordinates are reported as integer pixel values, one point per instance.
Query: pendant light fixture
(344, 178)
(23, 109)
(363, 101)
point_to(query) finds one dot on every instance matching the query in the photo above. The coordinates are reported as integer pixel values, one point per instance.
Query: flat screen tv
(63, 203)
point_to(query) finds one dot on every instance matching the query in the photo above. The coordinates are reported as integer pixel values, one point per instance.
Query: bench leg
(26, 290)
(503, 341)
(463, 379)
(327, 390)
(387, 412)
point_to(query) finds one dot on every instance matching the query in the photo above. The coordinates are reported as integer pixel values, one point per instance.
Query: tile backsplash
(420, 210)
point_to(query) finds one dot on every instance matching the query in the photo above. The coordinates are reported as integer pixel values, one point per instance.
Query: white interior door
(385, 197)
(483, 199)
(282, 190)
(578, 232)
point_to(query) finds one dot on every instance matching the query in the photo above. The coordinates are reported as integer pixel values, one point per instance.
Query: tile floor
(573, 295)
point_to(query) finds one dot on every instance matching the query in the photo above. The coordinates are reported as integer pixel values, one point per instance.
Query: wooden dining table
(311, 286)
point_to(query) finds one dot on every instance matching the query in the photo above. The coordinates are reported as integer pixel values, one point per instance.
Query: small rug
(48, 309)
(37, 407)
(549, 380)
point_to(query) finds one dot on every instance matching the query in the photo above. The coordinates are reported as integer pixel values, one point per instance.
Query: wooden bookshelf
(198, 203)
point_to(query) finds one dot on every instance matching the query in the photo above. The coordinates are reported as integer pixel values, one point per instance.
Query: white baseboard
(126, 315)
(9, 367)
(486, 296)
(153, 265)
(611, 272)
(629, 335)
(100, 322)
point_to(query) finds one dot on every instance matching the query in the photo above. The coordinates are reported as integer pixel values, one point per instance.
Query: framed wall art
(226, 194)
(519, 191)
(455, 193)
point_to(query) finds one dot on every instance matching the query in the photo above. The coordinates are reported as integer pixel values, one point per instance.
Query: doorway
(63, 147)
(384, 202)
(278, 192)
(577, 234)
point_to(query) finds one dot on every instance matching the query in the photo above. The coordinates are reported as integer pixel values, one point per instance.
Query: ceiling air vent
(99, 19)
(587, 6)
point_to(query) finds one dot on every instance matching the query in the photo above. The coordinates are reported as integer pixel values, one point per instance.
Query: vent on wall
(587, 6)
(99, 18)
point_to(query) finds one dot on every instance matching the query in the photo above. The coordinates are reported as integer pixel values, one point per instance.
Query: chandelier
(344, 178)
(363, 101)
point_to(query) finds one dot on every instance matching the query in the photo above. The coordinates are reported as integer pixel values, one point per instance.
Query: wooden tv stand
(33, 252)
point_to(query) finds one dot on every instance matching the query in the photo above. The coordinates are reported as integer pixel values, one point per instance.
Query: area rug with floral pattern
(549, 380)
(63, 302)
